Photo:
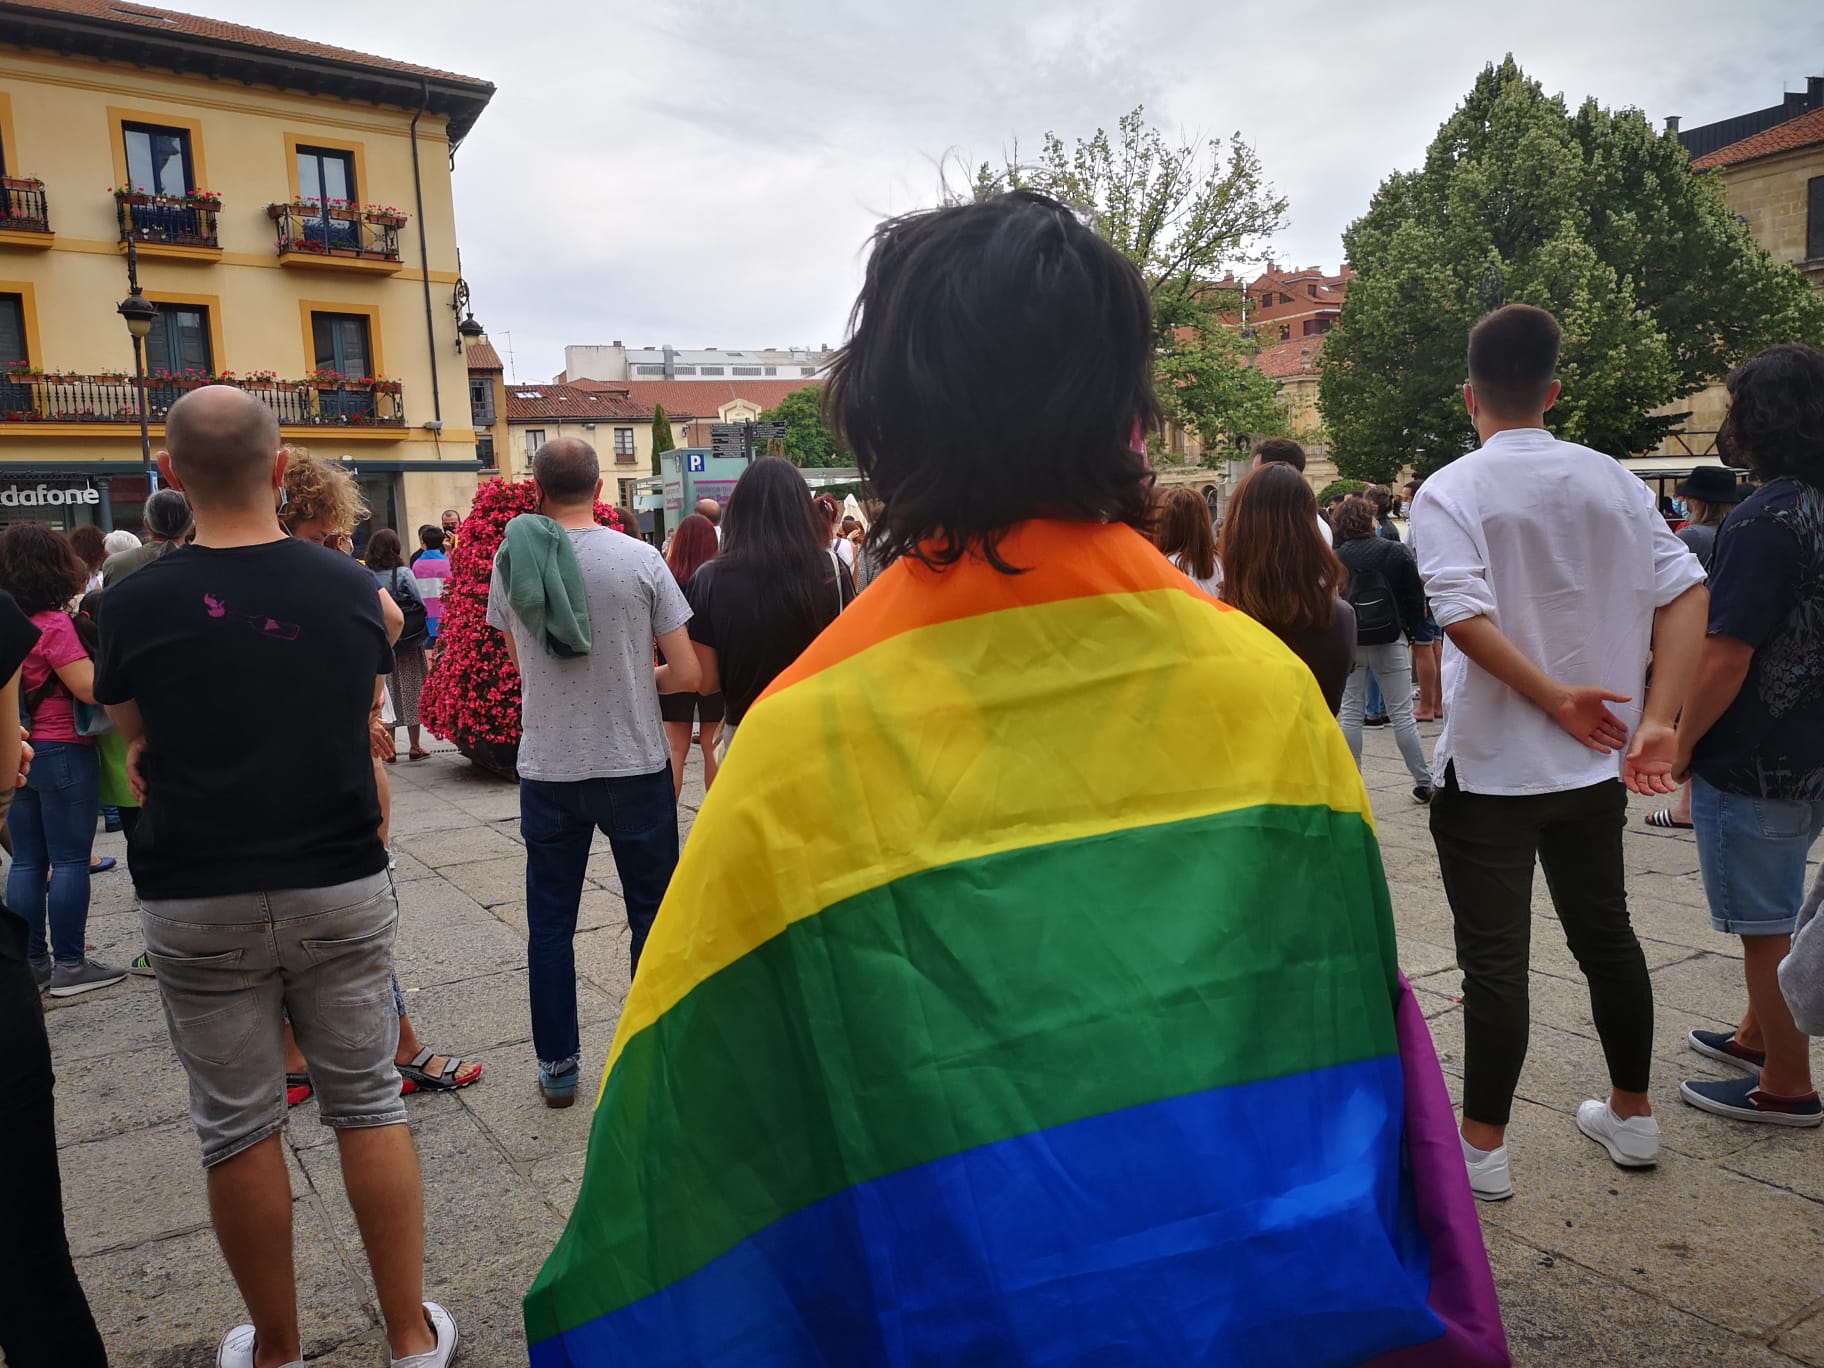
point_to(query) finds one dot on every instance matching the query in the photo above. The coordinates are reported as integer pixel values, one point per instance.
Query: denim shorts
(1430, 632)
(230, 968)
(1753, 853)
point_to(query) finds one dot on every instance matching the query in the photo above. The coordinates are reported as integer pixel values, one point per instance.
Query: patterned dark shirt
(1767, 590)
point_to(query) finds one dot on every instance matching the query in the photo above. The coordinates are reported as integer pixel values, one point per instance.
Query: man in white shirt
(1550, 603)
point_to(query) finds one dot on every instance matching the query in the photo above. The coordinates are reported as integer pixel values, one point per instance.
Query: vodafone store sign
(47, 496)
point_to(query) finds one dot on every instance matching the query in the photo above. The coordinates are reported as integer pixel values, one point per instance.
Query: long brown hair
(1182, 528)
(692, 545)
(1275, 568)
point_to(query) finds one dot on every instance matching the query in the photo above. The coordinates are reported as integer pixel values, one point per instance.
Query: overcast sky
(706, 173)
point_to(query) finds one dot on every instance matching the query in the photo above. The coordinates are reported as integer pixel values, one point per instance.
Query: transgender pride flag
(1026, 995)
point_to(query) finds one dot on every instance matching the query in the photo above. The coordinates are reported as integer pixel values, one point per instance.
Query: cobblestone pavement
(1715, 1257)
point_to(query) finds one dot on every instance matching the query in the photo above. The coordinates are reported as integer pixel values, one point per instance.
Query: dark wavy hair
(39, 568)
(89, 543)
(1354, 519)
(1275, 567)
(999, 367)
(1776, 414)
(384, 551)
(772, 531)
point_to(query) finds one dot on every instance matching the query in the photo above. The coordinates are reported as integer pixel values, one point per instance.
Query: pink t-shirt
(57, 645)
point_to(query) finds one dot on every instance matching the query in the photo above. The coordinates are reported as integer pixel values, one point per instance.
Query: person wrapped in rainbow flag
(1026, 993)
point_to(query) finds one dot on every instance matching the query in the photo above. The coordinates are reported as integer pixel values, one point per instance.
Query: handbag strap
(836, 579)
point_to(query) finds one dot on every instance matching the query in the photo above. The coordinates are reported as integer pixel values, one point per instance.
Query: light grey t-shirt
(597, 716)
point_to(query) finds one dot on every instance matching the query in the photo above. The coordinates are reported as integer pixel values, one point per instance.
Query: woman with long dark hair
(1186, 537)
(90, 544)
(693, 546)
(411, 653)
(1288, 581)
(774, 587)
(52, 821)
(1036, 921)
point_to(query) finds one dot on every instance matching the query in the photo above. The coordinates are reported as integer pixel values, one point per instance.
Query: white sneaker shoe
(443, 1325)
(1633, 1143)
(236, 1350)
(1490, 1179)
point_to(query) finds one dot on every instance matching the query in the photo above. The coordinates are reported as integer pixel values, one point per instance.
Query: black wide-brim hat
(1712, 484)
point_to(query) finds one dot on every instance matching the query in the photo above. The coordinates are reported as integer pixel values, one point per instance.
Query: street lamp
(139, 313)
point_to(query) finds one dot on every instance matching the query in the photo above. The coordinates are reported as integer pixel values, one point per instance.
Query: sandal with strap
(449, 1080)
(297, 1089)
(1664, 820)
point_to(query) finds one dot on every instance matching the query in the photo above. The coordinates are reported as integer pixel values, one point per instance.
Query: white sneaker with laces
(236, 1350)
(443, 1325)
(1633, 1143)
(1490, 1179)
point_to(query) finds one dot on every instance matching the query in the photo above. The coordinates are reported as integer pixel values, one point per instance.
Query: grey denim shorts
(228, 971)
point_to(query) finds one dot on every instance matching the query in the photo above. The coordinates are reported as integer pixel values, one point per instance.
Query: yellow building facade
(289, 214)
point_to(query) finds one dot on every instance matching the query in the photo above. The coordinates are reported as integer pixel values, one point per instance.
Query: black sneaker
(1380, 721)
(1421, 793)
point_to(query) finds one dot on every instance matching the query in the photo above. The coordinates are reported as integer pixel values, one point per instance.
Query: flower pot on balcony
(345, 214)
(212, 205)
(133, 197)
(345, 251)
(21, 183)
(387, 220)
(275, 212)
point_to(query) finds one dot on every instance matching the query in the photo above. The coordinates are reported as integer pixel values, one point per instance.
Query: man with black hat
(1709, 493)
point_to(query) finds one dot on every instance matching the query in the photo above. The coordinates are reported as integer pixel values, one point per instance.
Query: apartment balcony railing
(336, 234)
(23, 208)
(171, 220)
(30, 398)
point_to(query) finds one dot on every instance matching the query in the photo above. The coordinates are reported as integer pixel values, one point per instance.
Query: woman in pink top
(53, 817)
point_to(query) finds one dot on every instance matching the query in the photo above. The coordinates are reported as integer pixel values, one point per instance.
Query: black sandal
(446, 1081)
(1663, 820)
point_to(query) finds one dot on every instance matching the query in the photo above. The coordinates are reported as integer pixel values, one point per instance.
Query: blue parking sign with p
(695, 462)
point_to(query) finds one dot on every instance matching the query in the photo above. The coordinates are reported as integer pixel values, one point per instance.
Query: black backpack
(417, 618)
(1377, 613)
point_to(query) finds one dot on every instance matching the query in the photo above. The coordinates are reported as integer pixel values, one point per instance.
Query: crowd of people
(1593, 651)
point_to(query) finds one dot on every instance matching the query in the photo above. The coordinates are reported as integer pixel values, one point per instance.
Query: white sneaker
(1633, 1143)
(443, 1325)
(236, 1350)
(1490, 1179)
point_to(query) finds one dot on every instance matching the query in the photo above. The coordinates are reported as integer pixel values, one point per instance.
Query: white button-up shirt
(1564, 550)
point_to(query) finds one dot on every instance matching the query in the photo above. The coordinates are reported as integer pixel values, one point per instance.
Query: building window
(772, 370)
(623, 442)
(747, 370)
(158, 159)
(179, 340)
(325, 175)
(343, 344)
(1285, 332)
(481, 402)
(807, 370)
(535, 438)
(12, 330)
(709, 370)
(685, 370)
(649, 370)
(1814, 225)
(484, 451)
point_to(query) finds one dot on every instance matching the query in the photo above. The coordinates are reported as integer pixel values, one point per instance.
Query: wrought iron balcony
(171, 220)
(337, 234)
(54, 398)
(23, 208)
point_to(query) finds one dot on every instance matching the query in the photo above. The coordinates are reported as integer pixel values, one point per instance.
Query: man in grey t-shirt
(593, 755)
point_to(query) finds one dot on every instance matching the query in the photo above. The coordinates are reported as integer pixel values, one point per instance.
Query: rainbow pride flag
(1026, 994)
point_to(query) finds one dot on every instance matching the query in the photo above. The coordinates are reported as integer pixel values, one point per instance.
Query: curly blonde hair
(319, 491)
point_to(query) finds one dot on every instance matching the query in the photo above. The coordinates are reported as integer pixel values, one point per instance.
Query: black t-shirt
(755, 627)
(253, 668)
(1767, 591)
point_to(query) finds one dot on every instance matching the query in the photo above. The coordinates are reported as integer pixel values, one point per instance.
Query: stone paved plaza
(1715, 1257)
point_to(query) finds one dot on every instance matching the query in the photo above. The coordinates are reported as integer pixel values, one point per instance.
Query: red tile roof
(482, 356)
(699, 398)
(572, 403)
(1295, 357)
(1805, 131)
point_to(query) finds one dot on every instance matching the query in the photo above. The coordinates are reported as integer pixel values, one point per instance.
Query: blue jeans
(1752, 852)
(1376, 705)
(53, 827)
(639, 816)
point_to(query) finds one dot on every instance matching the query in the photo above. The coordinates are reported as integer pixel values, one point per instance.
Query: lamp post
(139, 313)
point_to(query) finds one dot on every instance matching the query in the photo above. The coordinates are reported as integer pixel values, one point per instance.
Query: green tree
(808, 440)
(661, 435)
(1589, 214)
(1178, 210)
